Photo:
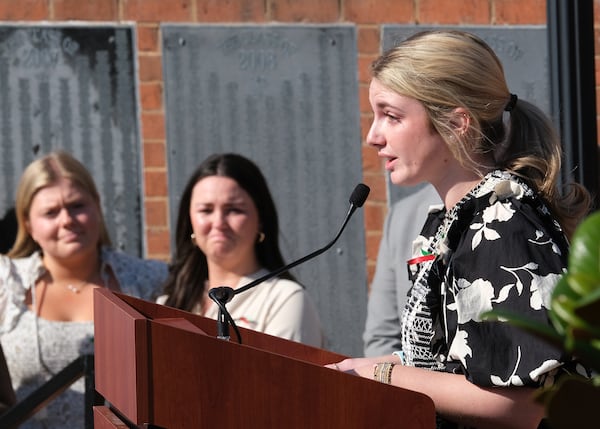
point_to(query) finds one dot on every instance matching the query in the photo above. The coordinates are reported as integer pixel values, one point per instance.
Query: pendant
(73, 288)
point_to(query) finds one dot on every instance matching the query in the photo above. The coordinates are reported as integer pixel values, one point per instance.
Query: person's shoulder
(424, 199)
(280, 288)
(16, 277)
(5, 263)
(514, 200)
(25, 266)
(288, 293)
(290, 285)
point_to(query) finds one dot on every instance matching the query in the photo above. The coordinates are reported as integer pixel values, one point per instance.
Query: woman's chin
(401, 179)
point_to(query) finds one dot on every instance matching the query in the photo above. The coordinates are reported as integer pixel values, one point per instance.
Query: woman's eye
(391, 117)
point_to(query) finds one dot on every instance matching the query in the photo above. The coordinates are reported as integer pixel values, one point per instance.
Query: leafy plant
(575, 316)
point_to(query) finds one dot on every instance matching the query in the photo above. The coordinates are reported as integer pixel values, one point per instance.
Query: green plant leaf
(582, 283)
(588, 309)
(584, 254)
(566, 309)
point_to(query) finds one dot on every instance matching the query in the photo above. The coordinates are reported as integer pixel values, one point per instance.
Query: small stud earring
(193, 237)
(261, 237)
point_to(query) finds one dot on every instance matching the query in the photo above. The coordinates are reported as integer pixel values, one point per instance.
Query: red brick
(27, 10)
(155, 155)
(596, 45)
(515, 12)
(155, 183)
(147, 38)
(363, 98)
(378, 187)
(159, 243)
(157, 212)
(157, 10)
(371, 162)
(151, 95)
(305, 10)
(597, 70)
(364, 67)
(153, 126)
(379, 11)
(371, 265)
(150, 68)
(230, 11)
(369, 39)
(98, 10)
(372, 246)
(374, 216)
(454, 12)
(366, 119)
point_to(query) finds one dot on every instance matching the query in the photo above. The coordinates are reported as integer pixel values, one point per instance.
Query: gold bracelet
(376, 372)
(383, 372)
(387, 375)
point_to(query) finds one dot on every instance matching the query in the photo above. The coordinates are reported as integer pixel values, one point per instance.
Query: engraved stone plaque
(523, 51)
(73, 88)
(286, 96)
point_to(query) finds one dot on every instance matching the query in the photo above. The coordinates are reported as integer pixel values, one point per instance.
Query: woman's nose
(66, 216)
(374, 137)
(218, 218)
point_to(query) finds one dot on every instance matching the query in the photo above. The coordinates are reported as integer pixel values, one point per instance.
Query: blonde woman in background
(61, 254)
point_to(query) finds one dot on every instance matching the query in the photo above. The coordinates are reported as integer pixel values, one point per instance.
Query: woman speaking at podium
(228, 235)
(443, 114)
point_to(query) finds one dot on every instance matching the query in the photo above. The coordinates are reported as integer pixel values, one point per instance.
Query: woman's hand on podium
(361, 366)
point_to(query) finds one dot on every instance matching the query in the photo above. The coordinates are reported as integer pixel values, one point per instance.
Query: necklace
(76, 289)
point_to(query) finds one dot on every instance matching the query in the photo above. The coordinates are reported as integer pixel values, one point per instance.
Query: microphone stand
(223, 294)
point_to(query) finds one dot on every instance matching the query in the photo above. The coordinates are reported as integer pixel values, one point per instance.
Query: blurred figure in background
(391, 284)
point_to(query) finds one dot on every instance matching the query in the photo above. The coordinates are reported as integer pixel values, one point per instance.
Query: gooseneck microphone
(223, 294)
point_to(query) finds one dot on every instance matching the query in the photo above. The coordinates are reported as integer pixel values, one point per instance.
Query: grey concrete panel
(73, 88)
(286, 96)
(523, 51)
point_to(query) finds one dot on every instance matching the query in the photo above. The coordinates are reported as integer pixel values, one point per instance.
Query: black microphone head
(359, 195)
(223, 294)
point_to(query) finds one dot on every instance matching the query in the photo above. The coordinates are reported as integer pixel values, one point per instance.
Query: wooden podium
(159, 367)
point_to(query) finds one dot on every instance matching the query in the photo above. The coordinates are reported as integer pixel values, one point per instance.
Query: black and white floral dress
(499, 247)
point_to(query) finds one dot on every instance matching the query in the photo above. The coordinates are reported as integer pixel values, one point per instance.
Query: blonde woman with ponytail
(444, 114)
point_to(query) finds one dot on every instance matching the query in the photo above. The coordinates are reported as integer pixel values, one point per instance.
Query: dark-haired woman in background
(228, 235)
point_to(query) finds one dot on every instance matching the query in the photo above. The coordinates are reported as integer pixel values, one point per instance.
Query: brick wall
(366, 14)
